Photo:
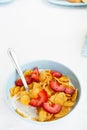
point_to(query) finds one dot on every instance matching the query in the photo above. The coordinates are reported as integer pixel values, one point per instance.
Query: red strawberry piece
(18, 82)
(42, 97)
(69, 91)
(52, 108)
(56, 74)
(28, 79)
(56, 86)
(35, 74)
(35, 102)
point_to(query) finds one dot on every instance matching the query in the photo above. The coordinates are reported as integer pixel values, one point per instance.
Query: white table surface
(38, 30)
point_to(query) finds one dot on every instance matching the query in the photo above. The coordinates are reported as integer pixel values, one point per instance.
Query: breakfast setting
(43, 64)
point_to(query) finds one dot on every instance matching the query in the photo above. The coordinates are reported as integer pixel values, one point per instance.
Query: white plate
(66, 3)
(5, 1)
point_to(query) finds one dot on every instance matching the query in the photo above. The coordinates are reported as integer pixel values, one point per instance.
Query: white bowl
(42, 64)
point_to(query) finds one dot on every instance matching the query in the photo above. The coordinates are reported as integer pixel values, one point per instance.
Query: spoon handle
(13, 57)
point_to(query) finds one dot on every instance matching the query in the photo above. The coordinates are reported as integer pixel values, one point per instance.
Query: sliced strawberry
(35, 74)
(35, 102)
(18, 82)
(56, 86)
(42, 97)
(69, 91)
(28, 79)
(53, 108)
(56, 74)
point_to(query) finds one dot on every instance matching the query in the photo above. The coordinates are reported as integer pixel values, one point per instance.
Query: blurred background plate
(5, 1)
(66, 3)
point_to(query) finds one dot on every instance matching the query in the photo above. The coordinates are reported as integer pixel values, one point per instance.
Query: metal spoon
(13, 57)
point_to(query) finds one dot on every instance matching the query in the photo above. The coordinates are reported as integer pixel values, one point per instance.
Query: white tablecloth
(38, 30)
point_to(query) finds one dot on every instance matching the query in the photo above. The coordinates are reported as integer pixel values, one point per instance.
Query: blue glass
(84, 48)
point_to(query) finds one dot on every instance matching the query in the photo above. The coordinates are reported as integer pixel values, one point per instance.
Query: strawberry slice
(18, 82)
(35, 74)
(36, 102)
(42, 97)
(52, 108)
(56, 74)
(28, 79)
(57, 87)
(69, 91)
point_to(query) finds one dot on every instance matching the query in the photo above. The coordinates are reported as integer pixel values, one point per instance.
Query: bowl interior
(43, 64)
